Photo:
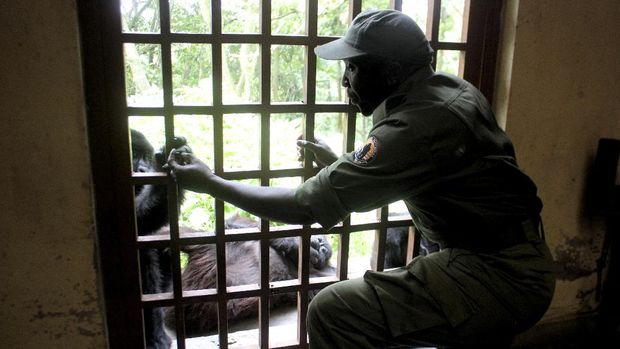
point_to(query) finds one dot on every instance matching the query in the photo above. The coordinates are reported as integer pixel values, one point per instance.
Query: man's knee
(320, 306)
(343, 302)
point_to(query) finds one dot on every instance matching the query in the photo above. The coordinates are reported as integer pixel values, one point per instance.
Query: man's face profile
(365, 81)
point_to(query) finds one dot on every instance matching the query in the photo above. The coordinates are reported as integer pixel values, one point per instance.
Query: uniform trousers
(451, 298)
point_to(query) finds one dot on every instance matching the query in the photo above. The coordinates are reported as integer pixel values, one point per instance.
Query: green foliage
(143, 76)
(288, 17)
(287, 73)
(190, 16)
(140, 16)
(375, 5)
(333, 17)
(240, 16)
(241, 73)
(192, 74)
(328, 87)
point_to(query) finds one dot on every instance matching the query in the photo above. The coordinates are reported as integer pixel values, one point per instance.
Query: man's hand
(323, 154)
(178, 143)
(188, 171)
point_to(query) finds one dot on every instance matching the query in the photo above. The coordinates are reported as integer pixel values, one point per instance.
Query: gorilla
(396, 247)
(151, 206)
(242, 267)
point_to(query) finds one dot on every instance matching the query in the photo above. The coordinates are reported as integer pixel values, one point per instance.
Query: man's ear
(393, 73)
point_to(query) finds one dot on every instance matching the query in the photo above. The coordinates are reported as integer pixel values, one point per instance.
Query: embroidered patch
(367, 152)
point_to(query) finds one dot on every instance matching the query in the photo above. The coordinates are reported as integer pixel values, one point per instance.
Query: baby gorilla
(242, 267)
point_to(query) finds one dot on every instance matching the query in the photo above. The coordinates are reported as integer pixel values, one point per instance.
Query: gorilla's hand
(178, 143)
(323, 154)
(189, 171)
(320, 251)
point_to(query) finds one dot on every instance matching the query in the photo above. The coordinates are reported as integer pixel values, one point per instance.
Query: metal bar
(413, 244)
(265, 292)
(308, 131)
(201, 238)
(380, 238)
(148, 38)
(177, 286)
(343, 251)
(220, 246)
(435, 16)
(310, 73)
(245, 291)
(454, 46)
(302, 300)
(396, 4)
(310, 100)
(355, 7)
(347, 228)
(263, 305)
(244, 108)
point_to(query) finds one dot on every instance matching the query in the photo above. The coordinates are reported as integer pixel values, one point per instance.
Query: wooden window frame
(102, 42)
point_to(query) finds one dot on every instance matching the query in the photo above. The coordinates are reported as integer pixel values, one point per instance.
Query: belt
(514, 234)
(533, 229)
(528, 230)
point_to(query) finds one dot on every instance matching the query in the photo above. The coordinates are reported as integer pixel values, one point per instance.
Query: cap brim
(337, 49)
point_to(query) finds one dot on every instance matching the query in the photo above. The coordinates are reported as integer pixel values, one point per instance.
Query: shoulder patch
(367, 152)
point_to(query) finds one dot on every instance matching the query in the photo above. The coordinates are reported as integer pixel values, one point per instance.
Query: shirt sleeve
(318, 196)
(392, 165)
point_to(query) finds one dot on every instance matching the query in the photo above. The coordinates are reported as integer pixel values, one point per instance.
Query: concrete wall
(49, 294)
(562, 97)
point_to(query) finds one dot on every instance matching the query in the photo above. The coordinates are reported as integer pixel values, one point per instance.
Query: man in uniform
(436, 145)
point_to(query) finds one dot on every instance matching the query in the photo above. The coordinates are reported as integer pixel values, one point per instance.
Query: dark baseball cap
(388, 33)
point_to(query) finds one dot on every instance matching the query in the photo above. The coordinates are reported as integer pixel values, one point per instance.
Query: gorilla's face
(142, 155)
(320, 251)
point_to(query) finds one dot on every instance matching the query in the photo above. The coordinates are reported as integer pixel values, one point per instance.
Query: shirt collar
(381, 112)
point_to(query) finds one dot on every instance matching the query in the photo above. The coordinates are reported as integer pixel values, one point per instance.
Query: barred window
(237, 79)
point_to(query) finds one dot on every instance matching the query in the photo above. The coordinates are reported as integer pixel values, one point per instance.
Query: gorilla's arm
(152, 208)
(152, 200)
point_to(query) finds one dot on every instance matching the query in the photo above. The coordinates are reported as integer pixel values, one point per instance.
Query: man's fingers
(172, 161)
(306, 144)
(186, 158)
(184, 149)
(179, 157)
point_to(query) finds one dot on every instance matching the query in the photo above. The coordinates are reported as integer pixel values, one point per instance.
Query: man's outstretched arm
(277, 204)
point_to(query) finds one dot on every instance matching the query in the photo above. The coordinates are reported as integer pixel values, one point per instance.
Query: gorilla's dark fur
(151, 204)
(242, 267)
(396, 247)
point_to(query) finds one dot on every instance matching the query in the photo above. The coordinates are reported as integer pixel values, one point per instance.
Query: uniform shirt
(436, 145)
